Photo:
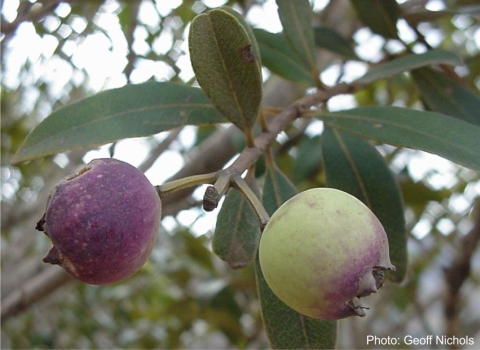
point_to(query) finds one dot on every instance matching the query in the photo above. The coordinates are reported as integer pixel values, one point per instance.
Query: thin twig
(457, 273)
(37, 288)
(155, 153)
(280, 122)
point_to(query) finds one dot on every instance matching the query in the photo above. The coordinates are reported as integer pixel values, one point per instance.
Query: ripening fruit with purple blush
(322, 251)
(103, 221)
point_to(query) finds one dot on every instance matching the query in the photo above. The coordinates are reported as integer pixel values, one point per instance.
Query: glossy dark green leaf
(355, 166)
(225, 66)
(409, 62)
(296, 17)
(277, 56)
(286, 328)
(329, 39)
(237, 232)
(379, 15)
(436, 133)
(131, 111)
(445, 95)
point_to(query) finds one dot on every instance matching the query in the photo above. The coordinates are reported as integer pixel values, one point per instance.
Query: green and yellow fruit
(322, 251)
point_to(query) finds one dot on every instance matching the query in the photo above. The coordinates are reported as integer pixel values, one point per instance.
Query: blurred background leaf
(277, 57)
(379, 15)
(409, 62)
(296, 17)
(445, 95)
(328, 39)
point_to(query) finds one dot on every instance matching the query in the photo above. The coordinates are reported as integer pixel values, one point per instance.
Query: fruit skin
(321, 251)
(103, 221)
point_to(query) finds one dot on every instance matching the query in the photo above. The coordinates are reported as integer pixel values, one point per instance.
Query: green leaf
(286, 328)
(329, 39)
(131, 111)
(225, 66)
(277, 56)
(248, 29)
(237, 232)
(445, 95)
(409, 62)
(379, 15)
(296, 16)
(277, 189)
(436, 133)
(308, 159)
(355, 166)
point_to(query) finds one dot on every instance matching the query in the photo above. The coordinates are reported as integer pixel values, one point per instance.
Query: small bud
(210, 199)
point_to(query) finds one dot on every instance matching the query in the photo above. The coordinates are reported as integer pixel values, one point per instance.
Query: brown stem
(279, 123)
(458, 271)
(35, 289)
(262, 142)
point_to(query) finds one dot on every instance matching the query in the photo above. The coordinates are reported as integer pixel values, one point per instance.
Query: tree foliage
(379, 100)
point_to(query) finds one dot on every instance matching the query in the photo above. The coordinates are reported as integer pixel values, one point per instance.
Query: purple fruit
(322, 251)
(102, 221)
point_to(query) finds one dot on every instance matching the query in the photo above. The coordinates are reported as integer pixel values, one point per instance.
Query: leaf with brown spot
(223, 57)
